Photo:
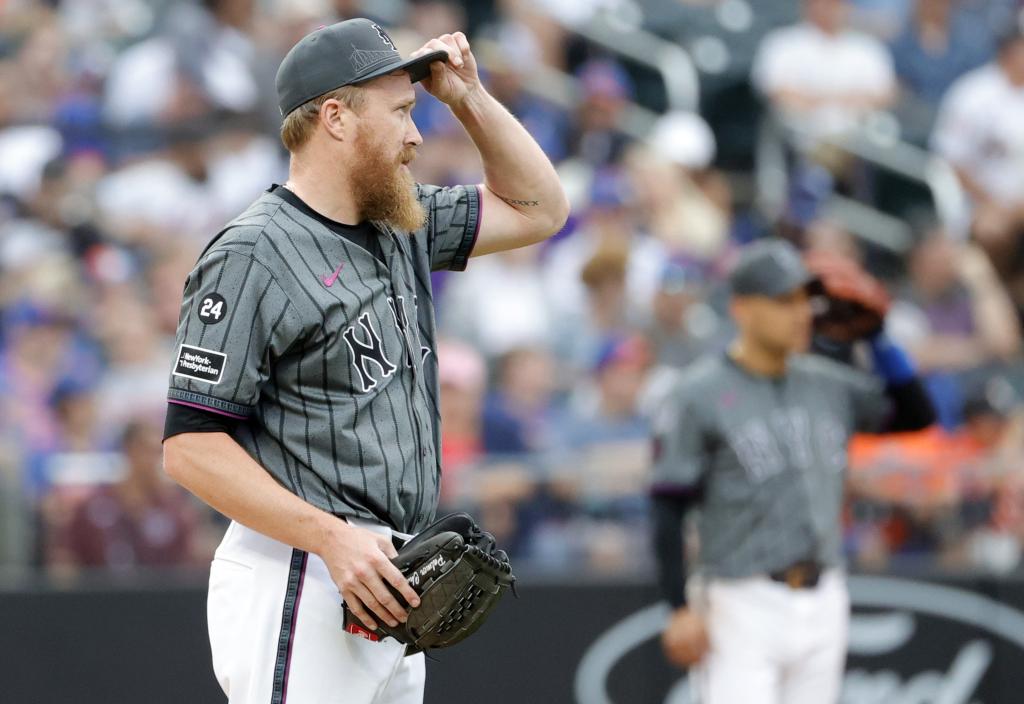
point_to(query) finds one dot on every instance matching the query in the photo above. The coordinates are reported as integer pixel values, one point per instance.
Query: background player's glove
(851, 304)
(459, 574)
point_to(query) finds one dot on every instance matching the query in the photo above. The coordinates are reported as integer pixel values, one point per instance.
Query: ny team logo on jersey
(789, 438)
(402, 321)
(366, 355)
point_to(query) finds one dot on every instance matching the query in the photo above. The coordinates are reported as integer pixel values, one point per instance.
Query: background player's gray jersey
(769, 455)
(303, 333)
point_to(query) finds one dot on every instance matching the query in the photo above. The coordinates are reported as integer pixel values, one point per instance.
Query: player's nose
(412, 135)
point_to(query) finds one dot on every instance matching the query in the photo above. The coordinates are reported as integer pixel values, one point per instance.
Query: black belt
(800, 575)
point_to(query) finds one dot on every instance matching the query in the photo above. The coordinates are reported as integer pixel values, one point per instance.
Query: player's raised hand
(685, 639)
(451, 81)
(360, 565)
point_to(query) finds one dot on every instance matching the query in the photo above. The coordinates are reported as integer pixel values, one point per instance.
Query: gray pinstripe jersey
(304, 334)
(770, 455)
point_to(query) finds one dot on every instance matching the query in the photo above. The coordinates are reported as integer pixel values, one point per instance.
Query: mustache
(407, 155)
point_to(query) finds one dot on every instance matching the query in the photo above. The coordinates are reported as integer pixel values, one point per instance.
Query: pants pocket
(227, 613)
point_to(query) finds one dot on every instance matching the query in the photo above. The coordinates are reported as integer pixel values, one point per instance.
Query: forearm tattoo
(515, 202)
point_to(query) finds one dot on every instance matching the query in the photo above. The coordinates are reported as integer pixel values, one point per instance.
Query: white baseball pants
(771, 644)
(275, 623)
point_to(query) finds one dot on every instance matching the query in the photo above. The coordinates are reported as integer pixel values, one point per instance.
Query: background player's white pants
(771, 644)
(275, 623)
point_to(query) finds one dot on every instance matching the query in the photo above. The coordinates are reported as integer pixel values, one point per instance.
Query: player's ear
(337, 119)
(737, 309)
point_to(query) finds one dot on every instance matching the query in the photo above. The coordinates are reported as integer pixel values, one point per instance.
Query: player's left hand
(451, 81)
(685, 639)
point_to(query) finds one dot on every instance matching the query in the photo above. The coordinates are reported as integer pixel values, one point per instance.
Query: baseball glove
(850, 304)
(459, 575)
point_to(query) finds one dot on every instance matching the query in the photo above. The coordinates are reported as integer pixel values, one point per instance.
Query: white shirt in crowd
(804, 59)
(980, 129)
(498, 304)
(151, 192)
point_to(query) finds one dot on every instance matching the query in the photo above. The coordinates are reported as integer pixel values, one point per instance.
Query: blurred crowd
(131, 130)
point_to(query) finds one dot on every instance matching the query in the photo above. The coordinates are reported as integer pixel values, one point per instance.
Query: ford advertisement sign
(910, 642)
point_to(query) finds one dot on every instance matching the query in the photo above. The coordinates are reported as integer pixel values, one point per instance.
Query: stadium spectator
(462, 376)
(500, 305)
(980, 130)
(37, 354)
(579, 335)
(608, 412)
(683, 201)
(682, 325)
(991, 517)
(201, 61)
(827, 235)
(609, 221)
(881, 18)
(952, 317)
(210, 169)
(939, 43)
(955, 493)
(520, 413)
(136, 356)
(79, 424)
(597, 138)
(509, 62)
(819, 75)
(140, 521)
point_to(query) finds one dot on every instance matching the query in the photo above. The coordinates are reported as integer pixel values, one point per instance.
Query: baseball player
(303, 400)
(756, 437)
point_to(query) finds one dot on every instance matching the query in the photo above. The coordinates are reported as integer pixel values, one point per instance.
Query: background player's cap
(343, 54)
(769, 267)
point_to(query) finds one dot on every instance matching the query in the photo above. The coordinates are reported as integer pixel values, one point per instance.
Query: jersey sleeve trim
(474, 204)
(203, 402)
(182, 419)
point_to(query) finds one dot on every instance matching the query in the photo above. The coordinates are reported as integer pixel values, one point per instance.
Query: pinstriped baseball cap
(343, 54)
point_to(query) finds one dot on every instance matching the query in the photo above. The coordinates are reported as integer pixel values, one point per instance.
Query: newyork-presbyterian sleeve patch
(200, 364)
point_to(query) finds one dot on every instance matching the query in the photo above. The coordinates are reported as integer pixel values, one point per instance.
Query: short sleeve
(679, 448)
(453, 223)
(235, 319)
(879, 71)
(955, 134)
(767, 73)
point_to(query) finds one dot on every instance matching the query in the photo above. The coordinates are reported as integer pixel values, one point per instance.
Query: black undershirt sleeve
(668, 512)
(911, 407)
(187, 419)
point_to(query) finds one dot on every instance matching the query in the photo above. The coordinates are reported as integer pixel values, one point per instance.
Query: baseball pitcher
(303, 400)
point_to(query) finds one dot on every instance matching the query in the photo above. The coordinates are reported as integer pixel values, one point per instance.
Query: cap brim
(418, 68)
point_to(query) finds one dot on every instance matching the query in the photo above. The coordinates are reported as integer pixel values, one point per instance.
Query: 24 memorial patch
(200, 364)
(212, 309)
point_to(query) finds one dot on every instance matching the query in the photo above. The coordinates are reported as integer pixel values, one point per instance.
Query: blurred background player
(756, 437)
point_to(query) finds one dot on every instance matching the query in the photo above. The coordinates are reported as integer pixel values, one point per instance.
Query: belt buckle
(796, 576)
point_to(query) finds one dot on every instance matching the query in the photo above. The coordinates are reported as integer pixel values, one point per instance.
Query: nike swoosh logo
(329, 279)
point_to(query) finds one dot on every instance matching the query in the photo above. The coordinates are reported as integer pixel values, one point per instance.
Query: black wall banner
(909, 641)
(912, 641)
